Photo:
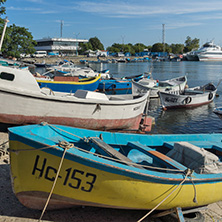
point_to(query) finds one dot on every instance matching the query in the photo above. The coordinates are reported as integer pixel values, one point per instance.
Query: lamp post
(3, 32)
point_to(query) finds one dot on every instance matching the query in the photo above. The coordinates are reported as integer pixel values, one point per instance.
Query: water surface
(196, 120)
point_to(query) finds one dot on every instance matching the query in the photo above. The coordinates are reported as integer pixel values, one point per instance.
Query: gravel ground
(11, 210)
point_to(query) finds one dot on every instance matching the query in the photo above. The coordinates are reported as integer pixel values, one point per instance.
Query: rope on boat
(106, 157)
(195, 191)
(95, 154)
(65, 146)
(188, 173)
(45, 123)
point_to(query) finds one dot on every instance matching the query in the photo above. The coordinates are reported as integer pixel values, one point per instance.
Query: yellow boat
(113, 170)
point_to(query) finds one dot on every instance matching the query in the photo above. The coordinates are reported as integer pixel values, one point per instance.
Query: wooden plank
(102, 146)
(180, 214)
(155, 154)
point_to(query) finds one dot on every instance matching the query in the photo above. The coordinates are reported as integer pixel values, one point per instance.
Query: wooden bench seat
(157, 155)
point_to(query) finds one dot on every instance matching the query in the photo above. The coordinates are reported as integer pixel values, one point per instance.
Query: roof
(61, 39)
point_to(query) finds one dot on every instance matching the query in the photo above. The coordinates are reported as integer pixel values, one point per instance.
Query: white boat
(155, 86)
(69, 68)
(208, 52)
(190, 97)
(218, 111)
(23, 102)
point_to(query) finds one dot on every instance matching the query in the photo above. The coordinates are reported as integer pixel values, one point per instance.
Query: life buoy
(187, 100)
(210, 96)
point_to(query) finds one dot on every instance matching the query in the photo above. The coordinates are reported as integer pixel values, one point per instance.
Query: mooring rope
(65, 146)
(188, 173)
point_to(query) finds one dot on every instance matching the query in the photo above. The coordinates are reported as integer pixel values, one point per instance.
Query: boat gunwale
(67, 96)
(118, 167)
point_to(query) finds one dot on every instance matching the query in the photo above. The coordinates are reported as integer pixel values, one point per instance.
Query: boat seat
(157, 155)
(104, 148)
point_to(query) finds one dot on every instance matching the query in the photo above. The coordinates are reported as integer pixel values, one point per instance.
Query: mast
(3, 32)
(163, 36)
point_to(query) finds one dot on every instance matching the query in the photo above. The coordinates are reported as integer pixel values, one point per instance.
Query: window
(7, 76)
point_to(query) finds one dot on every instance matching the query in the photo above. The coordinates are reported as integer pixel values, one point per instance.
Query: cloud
(23, 8)
(147, 8)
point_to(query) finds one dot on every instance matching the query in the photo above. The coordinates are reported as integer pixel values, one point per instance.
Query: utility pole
(61, 28)
(163, 36)
(3, 32)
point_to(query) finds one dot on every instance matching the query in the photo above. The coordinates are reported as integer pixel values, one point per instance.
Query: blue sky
(125, 21)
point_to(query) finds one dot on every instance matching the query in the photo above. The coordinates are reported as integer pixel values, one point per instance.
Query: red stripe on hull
(188, 106)
(96, 124)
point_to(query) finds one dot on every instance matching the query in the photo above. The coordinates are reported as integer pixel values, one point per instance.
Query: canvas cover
(196, 158)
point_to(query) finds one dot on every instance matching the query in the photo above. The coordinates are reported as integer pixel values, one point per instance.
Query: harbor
(199, 120)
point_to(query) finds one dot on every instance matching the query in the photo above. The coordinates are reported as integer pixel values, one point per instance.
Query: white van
(39, 54)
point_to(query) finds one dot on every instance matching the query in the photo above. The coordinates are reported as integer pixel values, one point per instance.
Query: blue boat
(118, 86)
(69, 83)
(114, 170)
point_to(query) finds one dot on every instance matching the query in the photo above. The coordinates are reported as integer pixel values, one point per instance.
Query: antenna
(163, 36)
(61, 28)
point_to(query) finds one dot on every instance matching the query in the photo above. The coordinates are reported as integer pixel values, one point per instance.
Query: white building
(66, 46)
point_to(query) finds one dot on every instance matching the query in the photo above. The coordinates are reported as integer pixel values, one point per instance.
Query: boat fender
(210, 96)
(187, 100)
(113, 86)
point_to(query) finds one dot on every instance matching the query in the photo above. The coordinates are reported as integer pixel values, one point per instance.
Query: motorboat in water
(208, 52)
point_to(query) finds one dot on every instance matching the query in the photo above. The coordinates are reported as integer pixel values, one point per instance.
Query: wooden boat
(70, 69)
(69, 83)
(115, 86)
(190, 97)
(218, 111)
(114, 170)
(155, 86)
(23, 102)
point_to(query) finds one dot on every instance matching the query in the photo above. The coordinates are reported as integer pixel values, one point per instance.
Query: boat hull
(112, 87)
(171, 101)
(70, 86)
(89, 183)
(176, 85)
(103, 115)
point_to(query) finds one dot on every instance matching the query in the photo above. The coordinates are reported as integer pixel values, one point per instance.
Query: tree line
(95, 44)
(18, 40)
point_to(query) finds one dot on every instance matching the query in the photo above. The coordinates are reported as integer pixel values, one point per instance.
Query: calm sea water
(195, 120)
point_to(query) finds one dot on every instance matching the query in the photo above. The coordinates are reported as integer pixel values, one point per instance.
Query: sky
(123, 21)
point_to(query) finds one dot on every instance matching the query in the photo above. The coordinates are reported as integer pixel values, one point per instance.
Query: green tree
(157, 47)
(191, 44)
(139, 47)
(17, 40)
(177, 48)
(84, 47)
(116, 47)
(2, 9)
(96, 44)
